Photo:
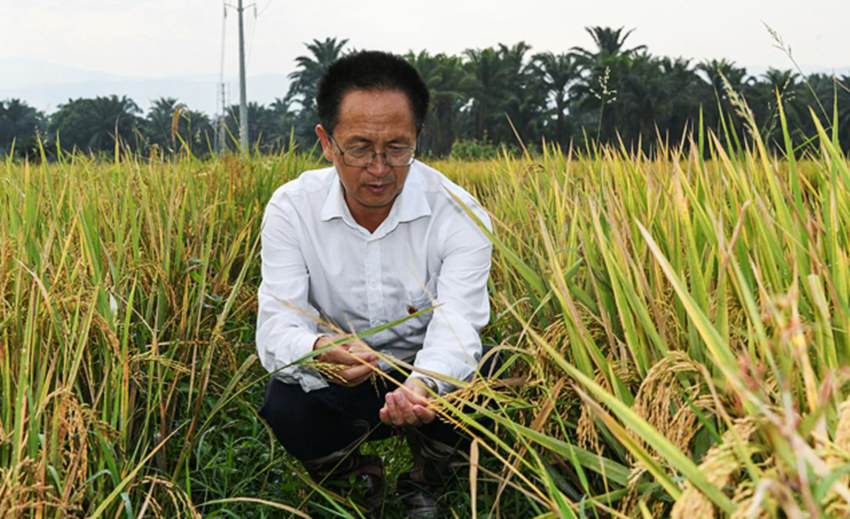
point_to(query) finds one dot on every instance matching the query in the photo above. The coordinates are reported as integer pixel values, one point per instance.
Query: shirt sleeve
(452, 345)
(286, 322)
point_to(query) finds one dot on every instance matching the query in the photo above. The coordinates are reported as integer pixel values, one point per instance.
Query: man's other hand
(408, 405)
(354, 361)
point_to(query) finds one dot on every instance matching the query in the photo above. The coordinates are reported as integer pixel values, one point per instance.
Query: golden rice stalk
(555, 334)
(770, 497)
(834, 503)
(662, 391)
(630, 502)
(74, 423)
(180, 501)
(586, 432)
(17, 496)
(6, 260)
(745, 495)
(842, 432)
(719, 465)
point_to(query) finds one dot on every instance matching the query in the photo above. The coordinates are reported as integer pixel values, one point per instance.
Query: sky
(163, 38)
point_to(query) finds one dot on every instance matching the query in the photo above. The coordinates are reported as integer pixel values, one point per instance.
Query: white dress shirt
(320, 266)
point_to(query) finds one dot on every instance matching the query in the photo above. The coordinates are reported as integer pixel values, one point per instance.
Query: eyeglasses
(363, 157)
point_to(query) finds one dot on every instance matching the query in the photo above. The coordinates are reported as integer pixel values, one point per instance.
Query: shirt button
(373, 283)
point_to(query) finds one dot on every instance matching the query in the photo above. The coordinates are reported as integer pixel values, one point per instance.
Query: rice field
(675, 333)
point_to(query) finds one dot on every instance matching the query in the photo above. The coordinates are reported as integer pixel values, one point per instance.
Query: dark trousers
(315, 424)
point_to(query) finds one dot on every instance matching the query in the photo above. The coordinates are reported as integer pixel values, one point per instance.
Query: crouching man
(374, 238)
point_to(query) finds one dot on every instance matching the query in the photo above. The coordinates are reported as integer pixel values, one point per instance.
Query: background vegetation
(483, 99)
(674, 329)
(670, 295)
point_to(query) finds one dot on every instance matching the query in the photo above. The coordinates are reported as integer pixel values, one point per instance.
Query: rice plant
(674, 331)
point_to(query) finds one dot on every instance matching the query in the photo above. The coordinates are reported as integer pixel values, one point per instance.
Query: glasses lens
(357, 156)
(399, 156)
(362, 157)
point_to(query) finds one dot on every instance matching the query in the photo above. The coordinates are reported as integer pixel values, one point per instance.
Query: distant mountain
(46, 86)
(22, 73)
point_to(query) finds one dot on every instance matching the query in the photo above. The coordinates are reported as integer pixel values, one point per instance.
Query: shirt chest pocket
(418, 300)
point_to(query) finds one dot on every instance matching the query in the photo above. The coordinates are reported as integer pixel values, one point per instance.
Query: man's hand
(352, 363)
(408, 405)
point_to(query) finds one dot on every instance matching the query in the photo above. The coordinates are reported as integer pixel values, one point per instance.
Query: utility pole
(221, 131)
(243, 103)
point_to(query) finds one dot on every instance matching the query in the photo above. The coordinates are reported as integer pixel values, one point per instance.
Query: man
(374, 239)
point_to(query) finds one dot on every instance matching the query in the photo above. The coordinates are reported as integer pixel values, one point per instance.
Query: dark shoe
(352, 474)
(435, 466)
(418, 497)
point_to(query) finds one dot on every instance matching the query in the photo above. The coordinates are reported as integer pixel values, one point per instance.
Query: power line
(243, 97)
(221, 95)
(252, 30)
(223, 42)
(263, 10)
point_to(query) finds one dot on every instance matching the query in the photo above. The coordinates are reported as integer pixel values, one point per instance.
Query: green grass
(675, 334)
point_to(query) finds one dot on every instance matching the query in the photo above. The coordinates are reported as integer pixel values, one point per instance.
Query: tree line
(482, 100)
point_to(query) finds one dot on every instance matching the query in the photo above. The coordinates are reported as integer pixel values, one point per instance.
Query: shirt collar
(334, 206)
(410, 204)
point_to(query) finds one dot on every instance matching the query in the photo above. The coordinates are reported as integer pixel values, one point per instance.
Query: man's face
(378, 121)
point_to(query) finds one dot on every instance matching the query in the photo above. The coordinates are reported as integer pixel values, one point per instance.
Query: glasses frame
(374, 156)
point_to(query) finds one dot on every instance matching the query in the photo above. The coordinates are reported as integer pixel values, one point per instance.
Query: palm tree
(642, 103)
(514, 57)
(157, 125)
(488, 87)
(19, 124)
(762, 98)
(610, 45)
(716, 70)
(95, 124)
(687, 93)
(723, 76)
(557, 72)
(310, 69)
(268, 131)
(524, 103)
(284, 118)
(842, 106)
(447, 81)
(171, 125)
(305, 81)
(604, 75)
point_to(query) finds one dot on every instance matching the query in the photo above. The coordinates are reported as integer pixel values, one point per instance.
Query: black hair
(369, 70)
